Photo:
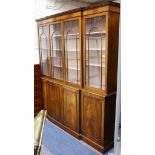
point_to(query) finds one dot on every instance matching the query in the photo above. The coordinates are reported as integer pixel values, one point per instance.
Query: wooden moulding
(102, 4)
(52, 19)
(102, 7)
(98, 147)
(61, 82)
(59, 14)
(61, 125)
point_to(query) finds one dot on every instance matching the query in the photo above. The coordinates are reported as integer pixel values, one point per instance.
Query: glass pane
(43, 33)
(56, 51)
(95, 52)
(72, 51)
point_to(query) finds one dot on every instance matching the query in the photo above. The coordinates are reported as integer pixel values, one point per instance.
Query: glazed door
(56, 51)
(72, 51)
(44, 50)
(94, 49)
(92, 117)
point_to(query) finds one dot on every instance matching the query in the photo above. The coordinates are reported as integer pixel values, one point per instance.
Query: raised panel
(71, 109)
(92, 117)
(54, 100)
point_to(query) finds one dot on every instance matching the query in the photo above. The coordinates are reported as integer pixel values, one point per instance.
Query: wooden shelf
(95, 49)
(72, 38)
(75, 34)
(93, 57)
(103, 32)
(95, 85)
(56, 49)
(95, 65)
(74, 80)
(73, 50)
(72, 68)
(55, 36)
(58, 66)
(74, 59)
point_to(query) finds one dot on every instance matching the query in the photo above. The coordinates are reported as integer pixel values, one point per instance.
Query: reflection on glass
(95, 52)
(72, 51)
(56, 51)
(43, 33)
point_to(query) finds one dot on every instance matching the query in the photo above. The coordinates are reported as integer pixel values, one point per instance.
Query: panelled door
(71, 108)
(92, 117)
(54, 100)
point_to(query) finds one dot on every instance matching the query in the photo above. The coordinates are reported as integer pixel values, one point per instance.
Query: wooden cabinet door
(71, 108)
(54, 100)
(92, 117)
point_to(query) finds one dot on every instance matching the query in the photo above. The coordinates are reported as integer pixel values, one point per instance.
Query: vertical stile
(106, 51)
(63, 52)
(49, 45)
(66, 54)
(88, 59)
(81, 49)
(77, 57)
(101, 61)
(52, 55)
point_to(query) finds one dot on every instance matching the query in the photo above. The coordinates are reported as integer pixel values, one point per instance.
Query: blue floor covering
(59, 142)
